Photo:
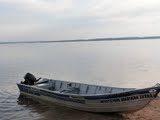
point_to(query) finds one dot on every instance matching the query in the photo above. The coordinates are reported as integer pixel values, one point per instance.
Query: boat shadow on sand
(49, 111)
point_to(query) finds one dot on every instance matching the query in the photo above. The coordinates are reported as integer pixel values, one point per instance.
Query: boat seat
(72, 90)
(52, 88)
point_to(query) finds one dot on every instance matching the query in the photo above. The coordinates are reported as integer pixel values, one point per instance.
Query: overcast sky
(32, 20)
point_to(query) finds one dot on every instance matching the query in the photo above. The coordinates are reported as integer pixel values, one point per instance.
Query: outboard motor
(30, 79)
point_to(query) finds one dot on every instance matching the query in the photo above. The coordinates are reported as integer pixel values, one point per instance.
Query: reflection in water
(33, 105)
(50, 111)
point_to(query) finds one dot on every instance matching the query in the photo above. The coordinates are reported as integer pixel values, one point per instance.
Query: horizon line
(85, 40)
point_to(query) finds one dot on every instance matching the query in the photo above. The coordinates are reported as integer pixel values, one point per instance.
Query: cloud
(75, 19)
(15, 31)
(40, 6)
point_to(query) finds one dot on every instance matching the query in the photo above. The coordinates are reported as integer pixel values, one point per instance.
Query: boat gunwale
(99, 96)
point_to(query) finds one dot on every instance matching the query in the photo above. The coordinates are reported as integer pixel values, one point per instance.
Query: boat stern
(22, 87)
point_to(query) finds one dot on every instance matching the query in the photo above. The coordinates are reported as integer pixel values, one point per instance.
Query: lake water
(128, 63)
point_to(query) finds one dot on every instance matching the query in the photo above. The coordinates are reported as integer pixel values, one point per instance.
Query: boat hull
(111, 107)
(131, 102)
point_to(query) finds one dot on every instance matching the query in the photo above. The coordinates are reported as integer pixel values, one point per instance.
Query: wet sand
(150, 112)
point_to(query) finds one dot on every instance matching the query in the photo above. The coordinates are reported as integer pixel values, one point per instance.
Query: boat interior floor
(78, 88)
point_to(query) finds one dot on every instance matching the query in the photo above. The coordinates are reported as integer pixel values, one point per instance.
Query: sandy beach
(150, 112)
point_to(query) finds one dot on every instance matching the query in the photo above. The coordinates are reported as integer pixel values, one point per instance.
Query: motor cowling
(30, 79)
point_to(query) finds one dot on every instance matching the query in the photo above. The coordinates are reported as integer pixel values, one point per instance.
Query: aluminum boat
(93, 98)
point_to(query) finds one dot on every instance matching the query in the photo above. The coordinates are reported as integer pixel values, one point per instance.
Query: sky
(45, 20)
